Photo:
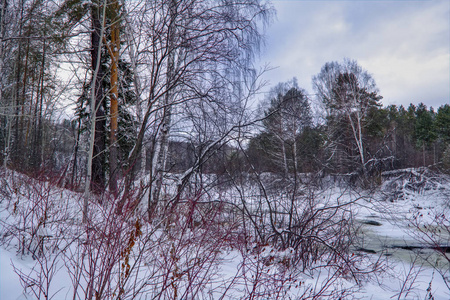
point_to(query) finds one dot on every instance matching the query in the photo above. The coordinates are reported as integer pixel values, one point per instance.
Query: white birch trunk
(140, 111)
(357, 135)
(162, 143)
(87, 190)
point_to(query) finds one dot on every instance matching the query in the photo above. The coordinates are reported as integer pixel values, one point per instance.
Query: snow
(10, 287)
(385, 222)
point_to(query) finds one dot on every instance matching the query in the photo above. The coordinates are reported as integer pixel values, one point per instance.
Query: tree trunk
(114, 108)
(138, 152)
(357, 135)
(20, 111)
(95, 105)
(423, 153)
(140, 112)
(6, 145)
(37, 147)
(162, 144)
(98, 162)
(75, 156)
(19, 149)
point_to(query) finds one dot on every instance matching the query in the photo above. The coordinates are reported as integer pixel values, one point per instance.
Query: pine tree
(114, 94)
(424, 129)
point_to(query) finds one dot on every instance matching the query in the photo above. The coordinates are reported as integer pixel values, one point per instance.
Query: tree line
(352, 132)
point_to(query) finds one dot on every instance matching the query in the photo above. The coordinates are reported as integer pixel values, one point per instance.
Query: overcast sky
(405, 45)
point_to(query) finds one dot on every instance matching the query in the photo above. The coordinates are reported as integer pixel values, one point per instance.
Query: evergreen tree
(126, 120)
(442, 123)
(424, 133)
(114, 94)
(424, 129)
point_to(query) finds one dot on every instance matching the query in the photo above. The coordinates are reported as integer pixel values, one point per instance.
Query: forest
(139, 157)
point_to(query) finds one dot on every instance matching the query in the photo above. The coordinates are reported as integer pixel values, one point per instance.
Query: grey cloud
(404, 44)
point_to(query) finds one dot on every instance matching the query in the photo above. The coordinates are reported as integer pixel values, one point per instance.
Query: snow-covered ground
(402, 224)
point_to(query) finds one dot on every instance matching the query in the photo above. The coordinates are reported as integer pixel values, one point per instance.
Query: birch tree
(94, 174)
(162, 141)
(286, 118)
(347, 92)
(182, 51)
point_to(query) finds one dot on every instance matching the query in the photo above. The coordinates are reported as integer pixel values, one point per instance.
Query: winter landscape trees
(286, 118)
(187, 81)
(179, 171)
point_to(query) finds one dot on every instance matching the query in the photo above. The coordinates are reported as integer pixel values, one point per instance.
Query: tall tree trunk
(75, 156)
(357, 135)
(162, 143)
(6, 123)
(98, 162)
(285, 163)
(19, 150)
(423, 153)
(95, 106)
(37, 147)
(140, 112)
(20, 110)
(114, 107)
(2, 36)
(138, 151)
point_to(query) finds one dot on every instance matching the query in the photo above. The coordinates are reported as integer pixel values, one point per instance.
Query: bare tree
(287, 116)
(187, 46)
